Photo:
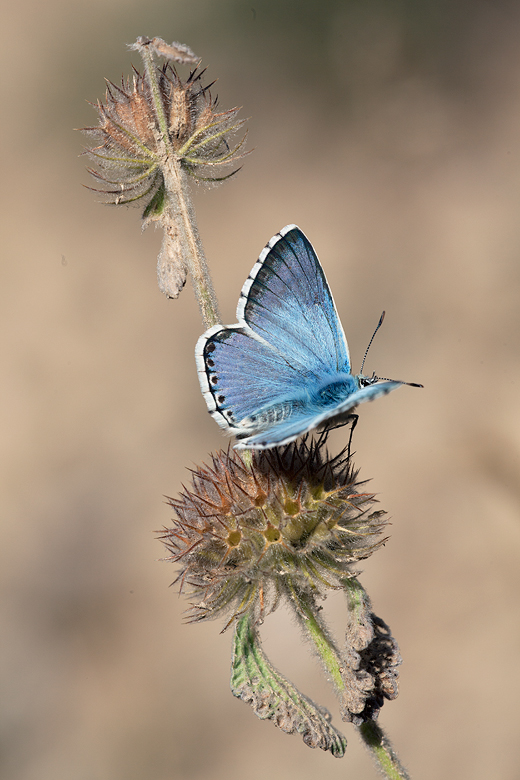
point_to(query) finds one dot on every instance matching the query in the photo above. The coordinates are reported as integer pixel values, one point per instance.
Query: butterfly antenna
(383, 378)
(410, 384)
(371, 340)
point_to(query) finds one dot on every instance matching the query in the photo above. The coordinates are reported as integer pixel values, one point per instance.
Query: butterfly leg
(343, 420)
(354, 421)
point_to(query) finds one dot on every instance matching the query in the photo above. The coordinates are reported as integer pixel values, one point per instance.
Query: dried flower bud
(372, 661)
(291, 521)
(130, 154)
(179, 52)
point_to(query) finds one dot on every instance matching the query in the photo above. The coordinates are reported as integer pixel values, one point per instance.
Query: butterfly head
(366, 381)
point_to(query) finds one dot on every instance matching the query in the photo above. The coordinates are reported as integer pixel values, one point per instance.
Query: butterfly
(284, 369)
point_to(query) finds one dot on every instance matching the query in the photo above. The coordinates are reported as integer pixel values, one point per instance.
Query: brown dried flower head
(293, 520)
(139, 126)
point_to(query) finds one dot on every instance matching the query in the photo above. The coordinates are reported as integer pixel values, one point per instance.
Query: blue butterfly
(284, 368)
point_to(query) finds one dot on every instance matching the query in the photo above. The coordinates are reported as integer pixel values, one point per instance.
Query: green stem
(329, 655)
(381, 748)
(247, 457)
(372, 735)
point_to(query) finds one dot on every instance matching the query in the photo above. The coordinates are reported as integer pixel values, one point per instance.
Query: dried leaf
(273, 697)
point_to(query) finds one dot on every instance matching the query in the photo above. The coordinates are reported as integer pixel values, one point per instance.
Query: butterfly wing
(288, 336)
(240, 374)
(286, 300)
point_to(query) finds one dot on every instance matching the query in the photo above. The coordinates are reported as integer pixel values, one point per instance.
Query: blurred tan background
(390, 132)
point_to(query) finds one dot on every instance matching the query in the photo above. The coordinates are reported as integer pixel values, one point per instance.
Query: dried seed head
(131, 146)
(246, 535)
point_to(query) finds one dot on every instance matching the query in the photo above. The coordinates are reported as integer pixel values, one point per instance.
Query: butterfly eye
(210, 362)
(214, 379)
(210, 348)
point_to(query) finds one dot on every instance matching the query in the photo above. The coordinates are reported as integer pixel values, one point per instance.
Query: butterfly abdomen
(273, 414)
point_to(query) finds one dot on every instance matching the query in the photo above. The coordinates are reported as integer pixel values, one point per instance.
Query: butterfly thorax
(333, 390)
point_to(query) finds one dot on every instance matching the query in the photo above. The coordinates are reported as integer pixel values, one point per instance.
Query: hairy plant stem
(372, 734)
(180, 214)
(329, 655)
(181, 240)
(382, 751)
(247, 457)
